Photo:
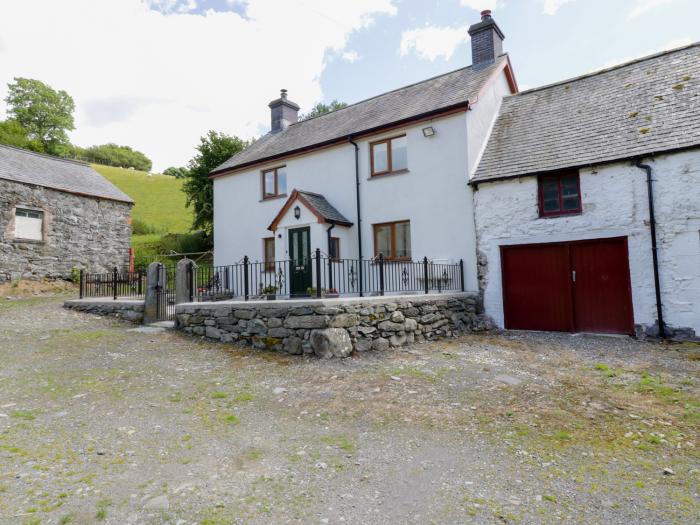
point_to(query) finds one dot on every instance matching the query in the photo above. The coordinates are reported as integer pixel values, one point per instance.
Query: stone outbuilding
(57, 215)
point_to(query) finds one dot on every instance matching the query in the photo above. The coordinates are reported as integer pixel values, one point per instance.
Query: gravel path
(104, 423)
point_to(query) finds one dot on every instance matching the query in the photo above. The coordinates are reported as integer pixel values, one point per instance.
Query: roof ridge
(45, 155)
(392, 91)
(607, 69)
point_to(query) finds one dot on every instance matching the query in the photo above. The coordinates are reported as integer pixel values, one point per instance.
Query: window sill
(560, 215)
(389, 174)
(273, 197)
(27, 241)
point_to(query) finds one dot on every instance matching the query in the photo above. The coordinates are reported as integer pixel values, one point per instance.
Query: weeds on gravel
(26, 415)
(101, 513)
(341, 442)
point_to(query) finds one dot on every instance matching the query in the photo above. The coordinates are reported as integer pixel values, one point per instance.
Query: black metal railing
(114, 284)
(322, 276)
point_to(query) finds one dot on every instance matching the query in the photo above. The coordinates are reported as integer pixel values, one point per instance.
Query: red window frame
(269, 264)
(334, 249)
(392, 236)
(389, 159)
(276, 193)
(558, 176)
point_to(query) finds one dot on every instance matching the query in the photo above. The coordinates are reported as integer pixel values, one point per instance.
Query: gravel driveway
(104, 423)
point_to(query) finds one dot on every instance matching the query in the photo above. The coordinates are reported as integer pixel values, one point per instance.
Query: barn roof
(72, 176)
(643, 107)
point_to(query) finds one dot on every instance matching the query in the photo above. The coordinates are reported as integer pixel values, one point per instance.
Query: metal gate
(165, 293)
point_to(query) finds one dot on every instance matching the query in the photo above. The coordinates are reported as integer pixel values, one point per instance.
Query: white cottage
(580, 200)
(384, 177)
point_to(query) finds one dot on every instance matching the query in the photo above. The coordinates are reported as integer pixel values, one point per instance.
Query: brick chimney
(487, 41)
(283, 112)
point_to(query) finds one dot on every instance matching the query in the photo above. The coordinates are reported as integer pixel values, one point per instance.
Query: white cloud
(431, 43)
(550, 7)
(479, 5)
(350, 56)
(158, 82)
(644, 6)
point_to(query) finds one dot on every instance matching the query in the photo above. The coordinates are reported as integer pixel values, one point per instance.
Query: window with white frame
(29, 224)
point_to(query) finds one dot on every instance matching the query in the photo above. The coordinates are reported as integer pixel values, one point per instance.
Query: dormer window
(274, 182)
(388, 155)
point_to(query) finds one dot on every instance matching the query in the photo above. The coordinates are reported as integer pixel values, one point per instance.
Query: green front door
(300, 261)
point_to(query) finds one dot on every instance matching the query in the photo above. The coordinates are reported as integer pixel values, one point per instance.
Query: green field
(160, 202)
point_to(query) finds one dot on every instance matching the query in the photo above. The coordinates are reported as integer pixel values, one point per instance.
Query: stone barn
(57, 215)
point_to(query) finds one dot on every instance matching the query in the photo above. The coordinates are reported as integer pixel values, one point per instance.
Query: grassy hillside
(160, 202)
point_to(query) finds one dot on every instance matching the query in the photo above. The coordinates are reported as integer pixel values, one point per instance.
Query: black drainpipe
(359, 216)
(330, 258)
(654, 248)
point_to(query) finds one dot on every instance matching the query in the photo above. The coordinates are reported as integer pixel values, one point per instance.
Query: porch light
(297, 212)
(428, 131)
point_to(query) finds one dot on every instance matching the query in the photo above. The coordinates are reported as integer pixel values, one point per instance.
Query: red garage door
(581, 286)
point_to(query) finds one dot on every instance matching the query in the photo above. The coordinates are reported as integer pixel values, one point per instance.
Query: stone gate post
(183, 283)
(150, 306)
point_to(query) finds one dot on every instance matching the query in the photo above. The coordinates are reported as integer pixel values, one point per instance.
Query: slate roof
(318, 205)
(446, 91)
(646, 106)
(72, 176)
(325, 208)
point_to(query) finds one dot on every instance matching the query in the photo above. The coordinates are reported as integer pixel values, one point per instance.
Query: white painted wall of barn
(614, 204)
(433, 195)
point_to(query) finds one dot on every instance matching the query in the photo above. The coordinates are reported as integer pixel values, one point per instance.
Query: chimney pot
(486, 13)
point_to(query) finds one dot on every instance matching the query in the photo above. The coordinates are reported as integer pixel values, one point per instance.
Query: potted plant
(269, 292)
(332, 293)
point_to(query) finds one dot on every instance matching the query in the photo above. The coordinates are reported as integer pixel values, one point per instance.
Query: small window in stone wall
(29, 224)
(559, 194)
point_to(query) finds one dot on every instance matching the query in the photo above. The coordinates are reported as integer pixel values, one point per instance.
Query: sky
(157, 74)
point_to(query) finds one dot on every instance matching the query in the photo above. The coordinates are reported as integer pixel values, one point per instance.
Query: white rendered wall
(614, 204)
(433, 195)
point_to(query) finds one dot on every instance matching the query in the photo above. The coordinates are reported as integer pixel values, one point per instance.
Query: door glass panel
(305, 244)
(269, 183)
(295, 245)
(281, 181)
(381, 161)
(399, 159)
(382, 235)
(403, 239)
(550, 195)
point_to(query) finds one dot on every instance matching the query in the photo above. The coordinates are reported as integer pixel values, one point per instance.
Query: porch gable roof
(317, 204)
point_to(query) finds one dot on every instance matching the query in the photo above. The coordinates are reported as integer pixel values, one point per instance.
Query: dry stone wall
(130, 310)
(334, 327)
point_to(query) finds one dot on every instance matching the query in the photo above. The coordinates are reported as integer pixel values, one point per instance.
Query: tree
(178, 173)
(13, 134)
(114, 155)
(46, 114)
(213, 149)
(322, 109)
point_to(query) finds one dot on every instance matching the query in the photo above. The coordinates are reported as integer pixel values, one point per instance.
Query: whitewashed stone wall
(79, 232)
(614, 204)
(334, 327)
